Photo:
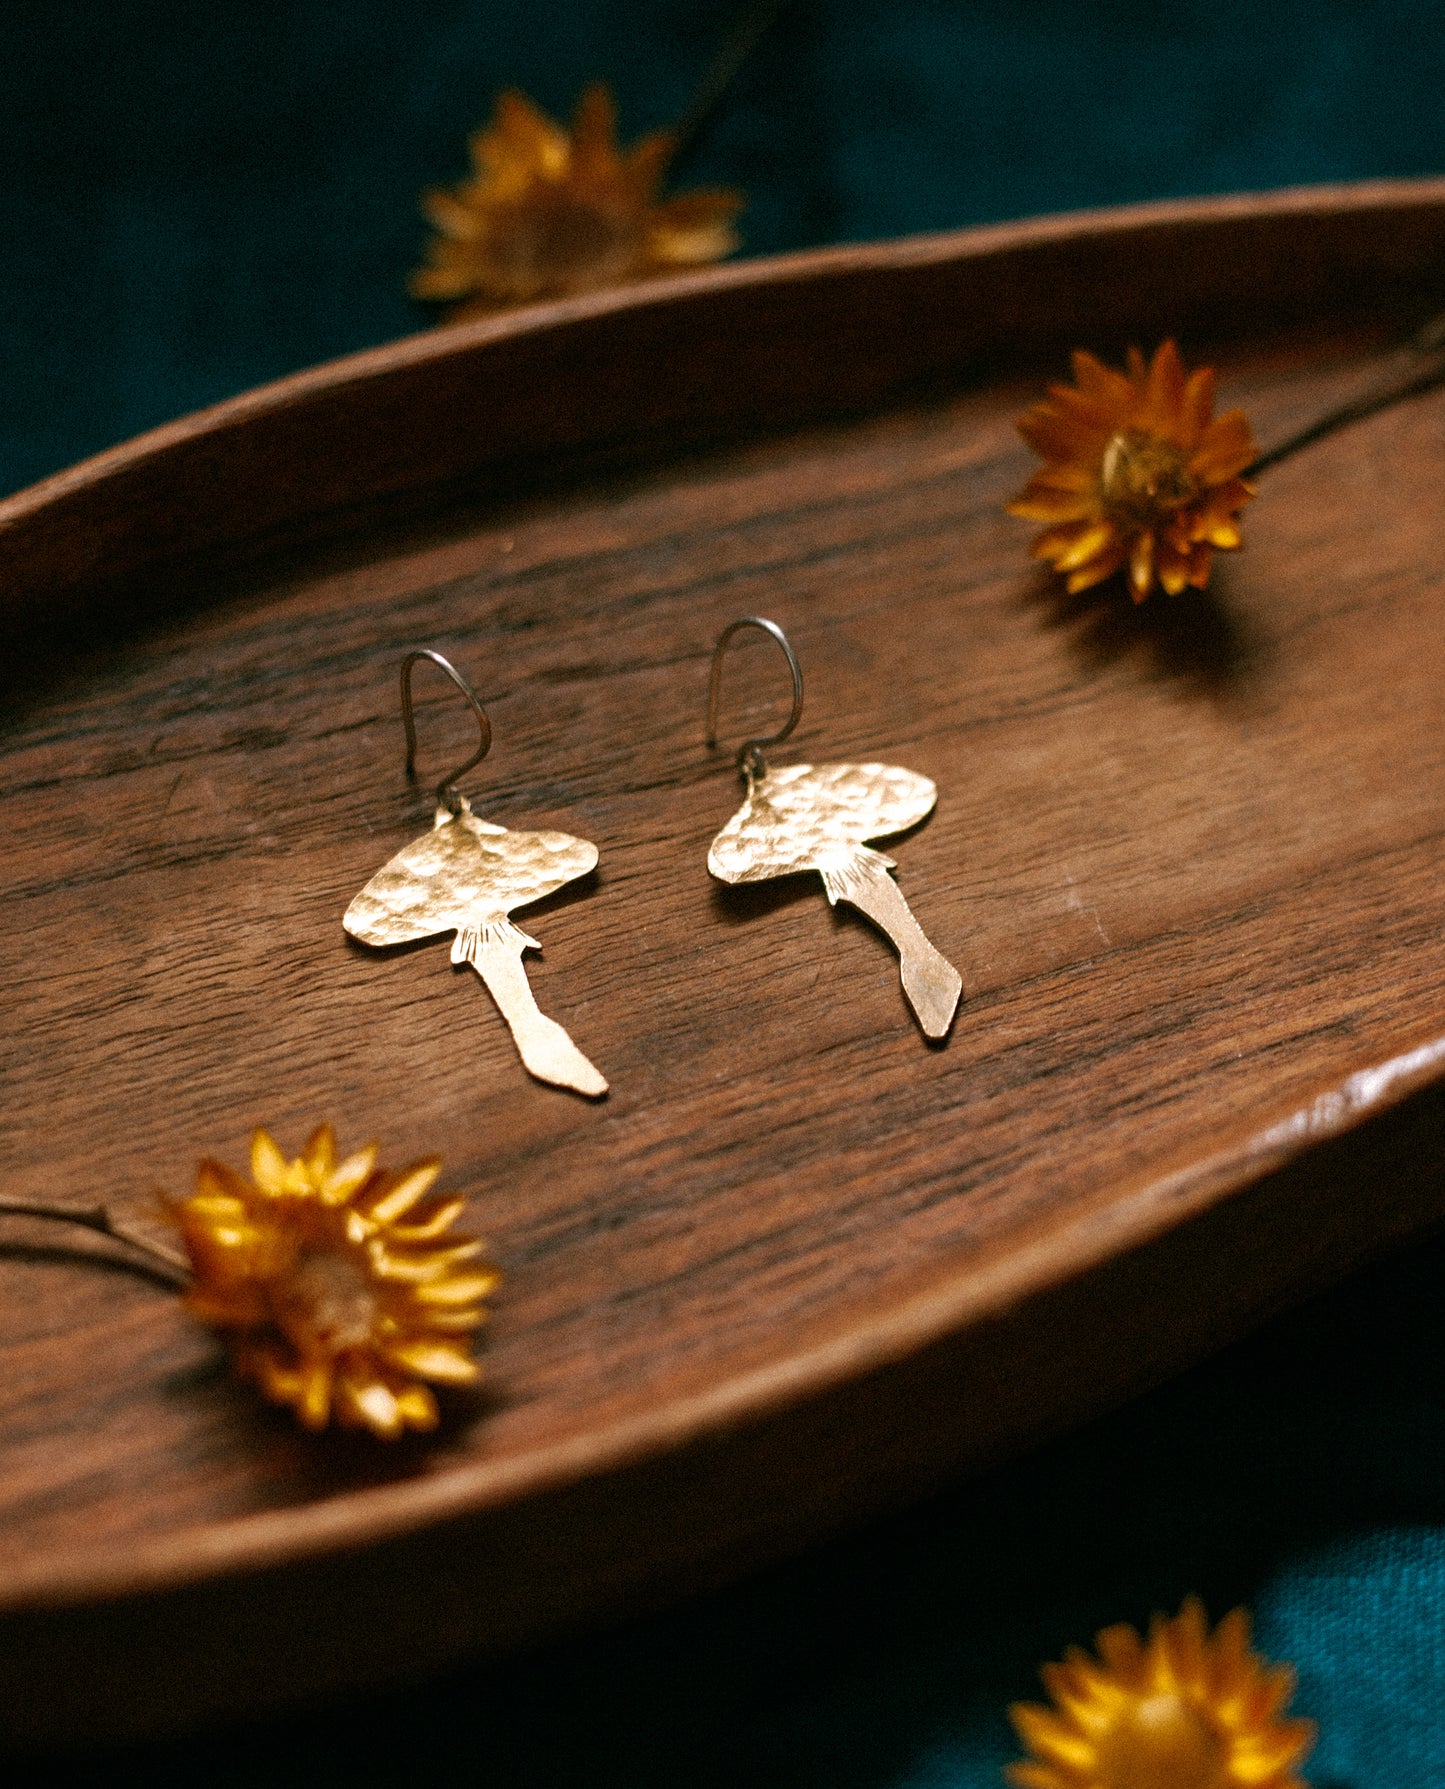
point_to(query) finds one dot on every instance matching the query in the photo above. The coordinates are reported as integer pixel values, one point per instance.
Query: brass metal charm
(467, 875)
(807, 817)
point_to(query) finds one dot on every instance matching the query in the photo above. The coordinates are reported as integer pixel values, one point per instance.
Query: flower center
(325, 1301)
(1143, 480)
(555, 240)
(1162, 1742)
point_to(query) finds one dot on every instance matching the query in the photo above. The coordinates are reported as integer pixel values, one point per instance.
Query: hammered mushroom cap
(463, 873)
(804, 817)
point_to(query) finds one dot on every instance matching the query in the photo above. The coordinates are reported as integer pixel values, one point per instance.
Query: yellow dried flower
(339, 1287)
(1138, 472)
(1185, 1709)
(549, 213)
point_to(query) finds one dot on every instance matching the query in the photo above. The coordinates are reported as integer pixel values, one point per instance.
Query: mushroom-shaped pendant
(821, 817)
(467, 876)
(807, 817)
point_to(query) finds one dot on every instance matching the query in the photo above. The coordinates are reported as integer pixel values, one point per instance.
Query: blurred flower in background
(1184, 1709)
(243, 180)
(548, 213)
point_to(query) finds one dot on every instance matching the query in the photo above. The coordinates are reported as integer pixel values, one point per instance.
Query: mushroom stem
(932, 984)
(495, 952)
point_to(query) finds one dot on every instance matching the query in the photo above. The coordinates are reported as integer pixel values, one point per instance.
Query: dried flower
(548, 213)
(1185, 1709)
(1136, 473)
(337, 1288)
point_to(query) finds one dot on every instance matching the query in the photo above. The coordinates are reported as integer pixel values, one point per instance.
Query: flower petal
(465, 1289)
(1055, 436)
(461, 1322)
(1225, 450)
(646, 162)
(1102, 383)
(214, 1180)
(268, 1165)
(1172, 567)
(694, 228)
(1043, 503)
(1165, 397)
(415, 1183)
(445, 212)
(1141, 566)
(1197, 407)
(418, 1408)
(441, 282)
(434, 1224)
(353, 1174)
(1104, 565)
(1051, 1738)
(594, 132)
(375, 1406)
(442, 1362)
(313, 1404)
(319, 1154)
(420, 1270)
(1097, 538)
(529, 137)
(1037, 1776)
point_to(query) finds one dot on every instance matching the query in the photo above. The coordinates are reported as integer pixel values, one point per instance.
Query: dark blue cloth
(196, 198)
(1301, 1472)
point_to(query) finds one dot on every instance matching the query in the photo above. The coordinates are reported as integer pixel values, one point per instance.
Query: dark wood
(799, 1265)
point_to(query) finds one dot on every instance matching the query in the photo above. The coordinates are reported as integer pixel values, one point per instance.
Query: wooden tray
(799, 1265)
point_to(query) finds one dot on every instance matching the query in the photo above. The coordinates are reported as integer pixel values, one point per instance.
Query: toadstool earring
(466, 875)
(807, 817)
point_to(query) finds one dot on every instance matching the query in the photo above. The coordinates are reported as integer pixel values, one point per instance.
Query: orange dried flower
(1185, 1709)
(1138, 471)
(549, 213)
(339, 1287)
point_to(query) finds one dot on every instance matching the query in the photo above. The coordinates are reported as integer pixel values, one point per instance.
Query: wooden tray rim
(961, 1292)
(803, 265)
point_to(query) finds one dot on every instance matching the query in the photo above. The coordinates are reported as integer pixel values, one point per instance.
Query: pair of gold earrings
(468, 875)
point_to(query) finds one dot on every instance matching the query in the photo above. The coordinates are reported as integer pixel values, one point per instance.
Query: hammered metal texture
(806, 818)
(466, 872)
(466, 875)
(819, 818)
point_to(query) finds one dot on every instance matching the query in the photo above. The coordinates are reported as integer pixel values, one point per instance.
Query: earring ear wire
(750, 752)
(448, 795)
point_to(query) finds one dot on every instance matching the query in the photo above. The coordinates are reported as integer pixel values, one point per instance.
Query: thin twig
(97, 1218)
(727, 65)
(1419, 367)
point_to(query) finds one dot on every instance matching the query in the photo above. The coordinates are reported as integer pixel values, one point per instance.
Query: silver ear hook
(750, 752)
(447, 793)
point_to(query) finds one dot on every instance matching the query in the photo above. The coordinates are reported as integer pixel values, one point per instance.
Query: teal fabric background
(194, 199)
(1301, 1472)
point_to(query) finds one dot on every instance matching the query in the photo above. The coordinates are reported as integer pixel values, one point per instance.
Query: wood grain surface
(799, 1263)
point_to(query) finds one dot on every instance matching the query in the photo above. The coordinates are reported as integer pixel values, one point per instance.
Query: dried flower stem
(97, 1218)
(727, 65)
(1417, 368)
